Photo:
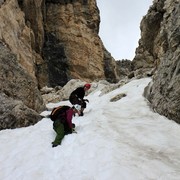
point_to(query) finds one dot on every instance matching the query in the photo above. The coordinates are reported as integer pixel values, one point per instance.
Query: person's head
(87, 86)
(77, 108)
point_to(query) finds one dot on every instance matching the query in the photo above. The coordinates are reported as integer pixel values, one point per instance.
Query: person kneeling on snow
(62, 121)
(77, 97)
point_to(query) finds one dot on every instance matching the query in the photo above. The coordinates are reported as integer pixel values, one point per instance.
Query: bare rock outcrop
(20, 38)
(159, 48)
(72, 41)
(56, 40)
(125, 68)
(47, 43)
(18, 93)
(15, 114)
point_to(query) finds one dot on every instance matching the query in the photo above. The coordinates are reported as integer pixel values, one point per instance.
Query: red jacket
(69, 116)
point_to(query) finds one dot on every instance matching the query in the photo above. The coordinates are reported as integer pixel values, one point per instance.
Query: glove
(73, 125)
(86, 100)
(73, 130)
(67, 132)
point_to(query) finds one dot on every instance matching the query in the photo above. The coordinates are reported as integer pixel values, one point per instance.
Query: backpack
(58, 112)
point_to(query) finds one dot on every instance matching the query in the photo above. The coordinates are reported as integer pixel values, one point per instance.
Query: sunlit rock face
(15, 33)
(159, 47)
(56, 40)
(74, 26)
(52, 42)
(20, 98)
(66, 38)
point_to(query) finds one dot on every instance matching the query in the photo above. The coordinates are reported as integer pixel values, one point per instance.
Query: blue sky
(120, 25)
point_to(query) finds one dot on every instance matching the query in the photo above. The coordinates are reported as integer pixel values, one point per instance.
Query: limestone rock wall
(147, 53)
(74, 26)
(111, 70)
(20, 98)
(56, 40)
(33, 16)
(20, 38)
(159, 48)
(47, 43)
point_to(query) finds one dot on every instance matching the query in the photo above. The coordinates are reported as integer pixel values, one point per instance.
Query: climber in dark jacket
(77, 97)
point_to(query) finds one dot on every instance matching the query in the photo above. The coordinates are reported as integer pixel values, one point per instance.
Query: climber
(77, 97)
(62, 122)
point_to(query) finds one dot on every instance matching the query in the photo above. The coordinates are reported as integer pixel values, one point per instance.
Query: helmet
(88, 86)
(77, 107)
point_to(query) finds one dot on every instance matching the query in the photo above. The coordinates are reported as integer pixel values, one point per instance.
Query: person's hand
(86, 100)
(73, 125)
(73, 130)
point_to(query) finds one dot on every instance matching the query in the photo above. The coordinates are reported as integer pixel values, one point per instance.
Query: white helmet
(77, 107)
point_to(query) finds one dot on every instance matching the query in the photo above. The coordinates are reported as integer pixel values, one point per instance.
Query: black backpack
(58, 112)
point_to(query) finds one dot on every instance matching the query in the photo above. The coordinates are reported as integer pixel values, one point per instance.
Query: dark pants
(59, 129)
(75, 100)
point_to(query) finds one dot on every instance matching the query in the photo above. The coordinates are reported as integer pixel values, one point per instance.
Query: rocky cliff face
(72, 26)
(19, 95)
(56, 40)
(66, 37)
(50, 42)
(159, 48)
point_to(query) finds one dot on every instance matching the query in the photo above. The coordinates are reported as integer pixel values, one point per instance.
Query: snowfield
(122, 140)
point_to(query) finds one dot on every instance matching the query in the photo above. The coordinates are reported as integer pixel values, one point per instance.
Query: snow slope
(122, 140)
